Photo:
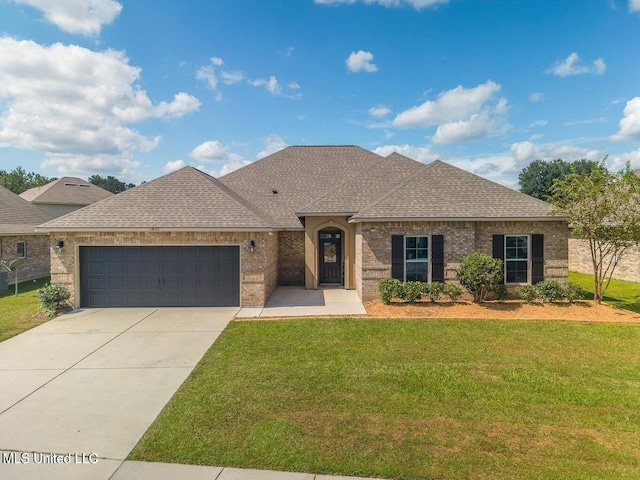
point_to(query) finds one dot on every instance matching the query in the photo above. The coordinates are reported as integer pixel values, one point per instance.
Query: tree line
(18, 180)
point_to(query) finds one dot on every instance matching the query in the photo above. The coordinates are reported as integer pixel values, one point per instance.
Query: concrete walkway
(90, 383)
(300, 302)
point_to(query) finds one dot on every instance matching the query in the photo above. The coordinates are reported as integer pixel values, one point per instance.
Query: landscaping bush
(452, 291)
(500, 292)
(479, 274)
(529, 293)
(412, 291)
(388, 289)
(433, 290)
(53, 298)
(573, 292)
(550, 291)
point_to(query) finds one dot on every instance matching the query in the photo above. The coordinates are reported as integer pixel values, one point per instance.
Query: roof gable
(442, 191)
(187, 199)
(66, 191)
(17, 216)
(298, 175)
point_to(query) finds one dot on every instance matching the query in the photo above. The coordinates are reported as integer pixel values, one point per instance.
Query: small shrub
(388, 289)
(500, 292)
(573, 292)
(479, 274)
(433, 290)
(53, 298)
(412, 291)
(529, 293)
(452, 291)
(550, 291)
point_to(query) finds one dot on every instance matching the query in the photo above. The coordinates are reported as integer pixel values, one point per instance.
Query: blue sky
(136, 89)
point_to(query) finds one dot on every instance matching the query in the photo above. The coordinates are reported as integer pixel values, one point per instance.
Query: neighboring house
(19, 239)
(65, 195)
(628, 267)
(307, 216)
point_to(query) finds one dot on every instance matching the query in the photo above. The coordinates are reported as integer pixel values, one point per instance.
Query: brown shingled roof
(299, 175)
(66, 191)
(187, 199)
(442, 191)
(17, 216)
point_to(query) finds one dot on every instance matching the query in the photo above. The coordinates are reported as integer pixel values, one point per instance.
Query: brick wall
(36, 264)
(291, 258)
(259, 270)
(460, 239)
(628, 267)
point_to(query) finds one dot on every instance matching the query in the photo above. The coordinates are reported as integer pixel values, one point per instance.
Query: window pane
(517, 272)
(422, 253)
(21, 249)
(422, 242)
(410, 242)
(417, 272)
(410, 254)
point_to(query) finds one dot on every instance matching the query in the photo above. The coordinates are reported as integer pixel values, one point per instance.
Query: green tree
(603, 209)
(479, 274)
(18, 181)
(537, 178)
(110, 183)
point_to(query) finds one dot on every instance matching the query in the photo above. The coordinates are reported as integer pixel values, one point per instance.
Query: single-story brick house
(65, 195)
(19, 239)
(303, 216)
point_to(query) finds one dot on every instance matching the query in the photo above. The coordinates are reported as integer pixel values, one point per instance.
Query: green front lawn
(17, 313)
(621, 293)
(409, 399)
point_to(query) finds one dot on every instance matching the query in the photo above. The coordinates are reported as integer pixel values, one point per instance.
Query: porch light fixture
(252, 245)
(59, 245)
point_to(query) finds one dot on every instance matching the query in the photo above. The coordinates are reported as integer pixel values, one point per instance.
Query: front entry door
(330, 256)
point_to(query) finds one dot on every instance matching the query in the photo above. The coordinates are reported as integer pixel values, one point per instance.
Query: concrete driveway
(77, 393)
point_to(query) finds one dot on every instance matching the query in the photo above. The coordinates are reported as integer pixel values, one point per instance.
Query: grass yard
(409, 399)
(621, 293)
(17, 312)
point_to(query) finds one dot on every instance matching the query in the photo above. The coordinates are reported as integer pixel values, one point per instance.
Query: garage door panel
(160, 276)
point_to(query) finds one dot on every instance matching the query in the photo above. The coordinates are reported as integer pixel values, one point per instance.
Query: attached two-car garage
(159, 276)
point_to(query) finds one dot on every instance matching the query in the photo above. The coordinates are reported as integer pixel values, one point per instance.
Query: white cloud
(535, 96)
(209, 74)
(417, 4)
(361, 60)
(273, 143)
(229, 78)
(173, 166)
(630, 123)
(213, 151)
(80, 165)
(85, 17)
(379, 111)
(526, 152)
(634, 5)
(75, 104)
(272, 85)
(461, 114)
(422, 154)
(572, 65)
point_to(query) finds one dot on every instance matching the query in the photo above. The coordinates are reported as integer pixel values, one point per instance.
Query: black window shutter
(537, 258)
(397, 257)
(437, 258)
(498, 248)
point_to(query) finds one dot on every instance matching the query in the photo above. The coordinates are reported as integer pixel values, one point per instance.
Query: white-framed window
(517, 254)
(416, 258)
(21, 250)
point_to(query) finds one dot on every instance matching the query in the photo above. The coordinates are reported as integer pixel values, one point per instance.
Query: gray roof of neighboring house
(66, 191)
(187, 199)
(17, 216)
(442, 191)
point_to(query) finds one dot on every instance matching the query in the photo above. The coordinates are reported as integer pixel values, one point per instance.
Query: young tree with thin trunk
(603, 209)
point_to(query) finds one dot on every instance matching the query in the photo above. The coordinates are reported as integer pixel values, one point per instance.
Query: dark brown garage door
(159, 276)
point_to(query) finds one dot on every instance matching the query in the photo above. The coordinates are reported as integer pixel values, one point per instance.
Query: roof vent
(274, 191)
(84, 185)
(70, 184)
